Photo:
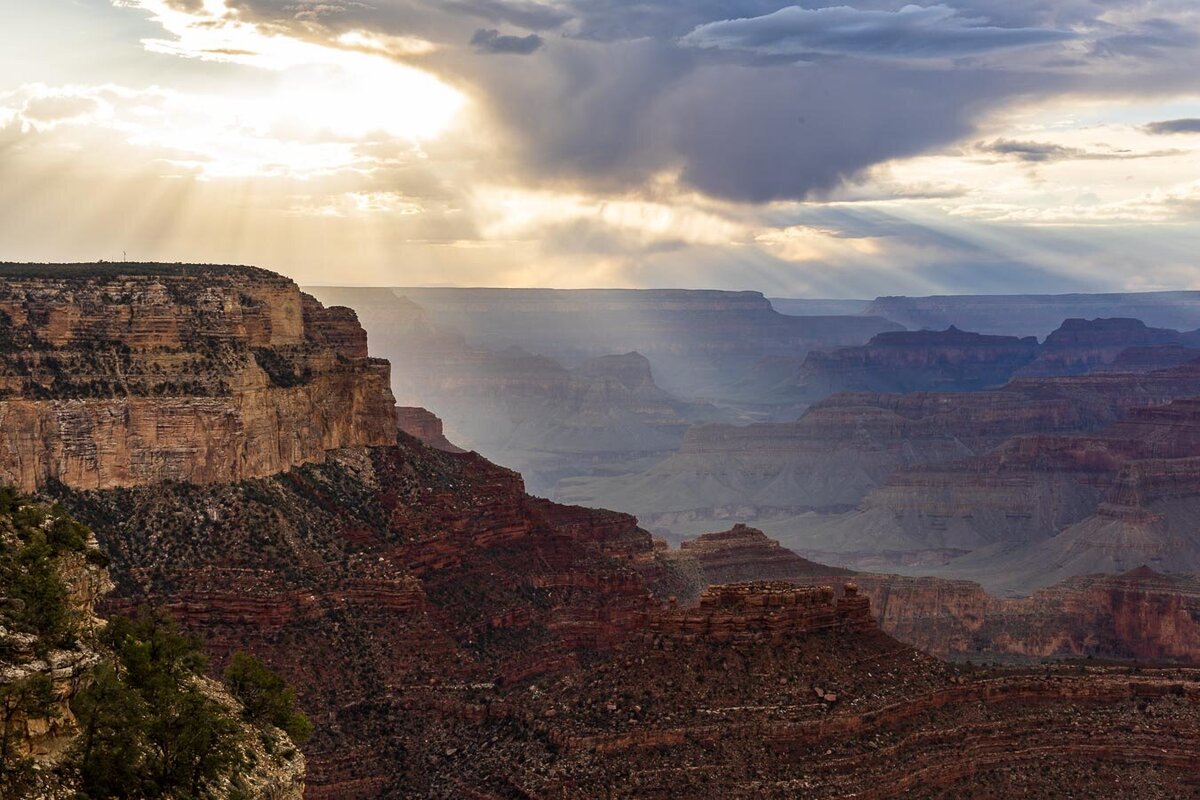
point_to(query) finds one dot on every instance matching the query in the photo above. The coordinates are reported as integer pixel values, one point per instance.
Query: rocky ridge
(1141, 615)
(1022, 315)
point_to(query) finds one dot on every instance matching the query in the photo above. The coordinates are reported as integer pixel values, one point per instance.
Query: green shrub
(266, 697)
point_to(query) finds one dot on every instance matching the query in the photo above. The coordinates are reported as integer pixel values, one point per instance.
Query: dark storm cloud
(1170, 126)
(626, 95)
(912, 32)
(1153, 38)
(490, 40)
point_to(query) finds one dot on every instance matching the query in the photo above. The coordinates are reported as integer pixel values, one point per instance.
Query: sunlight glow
(324, 99)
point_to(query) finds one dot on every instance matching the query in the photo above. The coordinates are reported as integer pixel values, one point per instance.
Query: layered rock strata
(950, 360)
(115, 375)
(825, 713)
(1141, 614)
(869, 451)
(420, 423)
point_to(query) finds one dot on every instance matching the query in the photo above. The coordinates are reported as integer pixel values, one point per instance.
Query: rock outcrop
(115, 375)
(52, 652)
(1141, 614)
(949, 360)
(1081, 345)
(743, 554)
(423, 424)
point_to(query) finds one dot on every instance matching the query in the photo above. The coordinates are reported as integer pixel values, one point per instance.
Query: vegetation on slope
(118, 710)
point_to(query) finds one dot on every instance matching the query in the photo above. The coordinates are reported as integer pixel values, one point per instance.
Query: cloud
(51, 108)
(1171, 126)
(1046, 152)
(531, 16)
(913, 32)
(489, 40)
(787, 144)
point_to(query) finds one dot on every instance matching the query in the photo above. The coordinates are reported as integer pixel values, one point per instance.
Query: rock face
(759, 611)
(1140, 614)
(743, 554)
(1080, 346)
(831, 713)
(426, 426)
(1034, 510)
(1022, 315)
(949, 360)
(1150, 358)
(383, 583)
(118, 376)
(886, 455)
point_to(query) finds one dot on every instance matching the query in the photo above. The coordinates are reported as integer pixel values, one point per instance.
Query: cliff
(841, 454)
(375, 582)
(1080, 345)
(118, 376)
(426, 426)
(949, 360)
(1141, 614)
(453, 637)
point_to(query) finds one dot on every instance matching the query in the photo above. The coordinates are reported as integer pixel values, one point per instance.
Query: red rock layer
(423, 424)
(374, 580)
(743, 553)
(1140, 615)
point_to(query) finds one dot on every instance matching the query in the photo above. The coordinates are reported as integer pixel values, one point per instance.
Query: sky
(850, 149)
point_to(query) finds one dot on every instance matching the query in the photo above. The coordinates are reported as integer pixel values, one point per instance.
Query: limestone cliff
(115, 375)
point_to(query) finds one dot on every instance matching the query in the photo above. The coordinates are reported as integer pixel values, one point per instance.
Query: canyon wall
(119, 376)
(1141, 614)
(1038, 315)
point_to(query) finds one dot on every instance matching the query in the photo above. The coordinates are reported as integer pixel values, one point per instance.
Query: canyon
(1141, 614)
(452, 636)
